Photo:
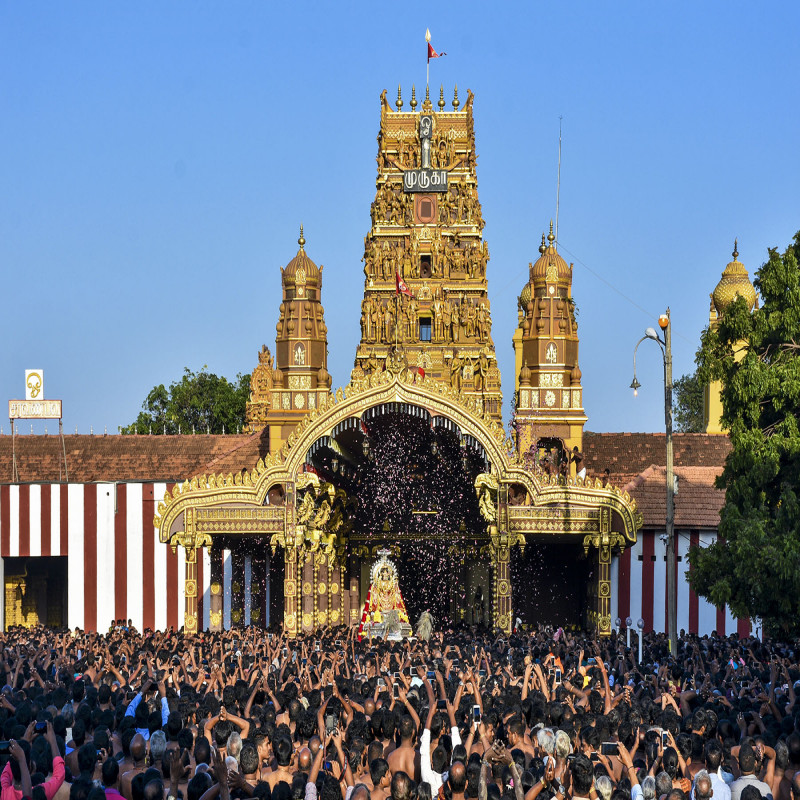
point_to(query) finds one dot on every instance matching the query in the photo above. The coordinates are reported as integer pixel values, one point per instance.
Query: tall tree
(687, 403)
(200, 401)
(754, 567)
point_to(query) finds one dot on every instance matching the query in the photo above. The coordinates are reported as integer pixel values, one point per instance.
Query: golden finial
(413, 97)
(399, 102)
(301, 241)
(542, 247)
(456, 104)
(735, 253)
(550, 237)
(427, 103)
(441, 98)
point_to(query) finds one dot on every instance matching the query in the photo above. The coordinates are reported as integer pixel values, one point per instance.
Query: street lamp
(666, 352)
(628, 623)
(640, 626)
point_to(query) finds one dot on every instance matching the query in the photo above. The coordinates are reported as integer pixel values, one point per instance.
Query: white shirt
(435, 779)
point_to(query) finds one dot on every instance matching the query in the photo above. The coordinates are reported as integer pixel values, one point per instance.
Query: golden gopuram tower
(281, 392)
(549, 413)
(427, 232)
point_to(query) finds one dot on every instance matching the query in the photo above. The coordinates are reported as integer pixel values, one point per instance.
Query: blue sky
(158, 158)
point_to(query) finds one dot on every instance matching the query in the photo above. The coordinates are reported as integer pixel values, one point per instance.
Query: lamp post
(640, 626)
(666, 352)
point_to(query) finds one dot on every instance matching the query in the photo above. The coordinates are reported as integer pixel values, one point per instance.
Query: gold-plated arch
(206, 505)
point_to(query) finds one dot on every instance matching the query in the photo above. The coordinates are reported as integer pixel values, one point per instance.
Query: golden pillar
(603, 542)
(192, 542)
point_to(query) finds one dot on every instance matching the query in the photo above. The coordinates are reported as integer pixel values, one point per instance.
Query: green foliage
(755, 568)
(200, 400)
(687, 403)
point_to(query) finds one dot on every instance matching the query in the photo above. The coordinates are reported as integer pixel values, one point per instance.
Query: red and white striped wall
(116, 566)
(639, 587)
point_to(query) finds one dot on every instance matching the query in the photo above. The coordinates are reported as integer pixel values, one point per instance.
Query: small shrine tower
(549, 412)
(283, 391)
(735, 282)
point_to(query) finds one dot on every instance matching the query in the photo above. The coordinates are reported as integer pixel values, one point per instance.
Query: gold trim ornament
(322, 617)
(334, 588)
(307, 588)
(215, 587)
(215, 617)
(308, 620)
(190, 588)
(322, 587)
(255, 614)
(236, 587)
(236, 616)
(605, 589)
(334, 615)
(504, 587)
(190, 623)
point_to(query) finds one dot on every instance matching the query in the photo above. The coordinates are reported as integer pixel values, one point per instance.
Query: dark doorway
(36, 591)
(550, 584)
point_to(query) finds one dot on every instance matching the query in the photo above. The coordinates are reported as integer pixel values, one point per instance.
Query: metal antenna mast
(558, 181)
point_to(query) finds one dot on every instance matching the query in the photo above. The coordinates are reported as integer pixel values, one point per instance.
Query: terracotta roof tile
(697, 504)
(126, 458)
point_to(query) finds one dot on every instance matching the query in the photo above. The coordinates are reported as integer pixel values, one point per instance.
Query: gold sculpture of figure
(384, 605)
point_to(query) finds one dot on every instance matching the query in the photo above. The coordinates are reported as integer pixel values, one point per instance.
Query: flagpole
(427, 54)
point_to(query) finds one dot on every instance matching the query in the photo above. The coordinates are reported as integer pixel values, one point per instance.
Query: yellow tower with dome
(735, 282)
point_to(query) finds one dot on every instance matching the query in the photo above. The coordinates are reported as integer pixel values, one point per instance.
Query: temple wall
(116, 567)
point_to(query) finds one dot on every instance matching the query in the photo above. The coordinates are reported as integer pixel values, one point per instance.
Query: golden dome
(525, 374)
(525, 295)
(734, 283)
(301, 270)
(550, 268)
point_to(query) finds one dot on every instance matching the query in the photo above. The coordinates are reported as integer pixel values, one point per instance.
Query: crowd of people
(468, 715)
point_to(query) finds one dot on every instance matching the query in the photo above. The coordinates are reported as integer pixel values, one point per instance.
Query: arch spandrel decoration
(235, 503)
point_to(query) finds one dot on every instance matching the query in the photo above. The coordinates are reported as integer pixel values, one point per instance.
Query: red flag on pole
(432, 53)
(401, 286)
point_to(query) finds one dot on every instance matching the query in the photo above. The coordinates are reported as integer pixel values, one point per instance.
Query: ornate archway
(309, 518)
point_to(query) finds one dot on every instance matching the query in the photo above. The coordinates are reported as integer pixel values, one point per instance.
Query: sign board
(34, 384)
(34, 409)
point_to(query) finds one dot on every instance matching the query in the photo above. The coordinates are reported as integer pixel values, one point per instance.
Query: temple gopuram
(282, 525)
(411, 455)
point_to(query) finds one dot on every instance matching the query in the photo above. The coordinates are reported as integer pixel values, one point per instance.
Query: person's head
(562, 745)
(582, 775)
(670, 762)
(234, 745)
(663, 784)
(457, 777)
(379, 772)
(158, 744)
(304, 760)
(80, 789)
(283, 751)
(439, 760)
(712, 755)
(747, 759)
(649, 788)
(750, 793)
(676, 794)
(138, 748)
(198, 786)
(402, 787)
(202, 751)
(407, 728)
(87, 759)
(248, 759)
(423, 791)
(110, 772)
(796, 786)
(703, 789)
(603, 784)
(154, 790)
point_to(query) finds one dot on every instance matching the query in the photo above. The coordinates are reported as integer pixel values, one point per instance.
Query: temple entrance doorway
(413, 479)
(36, 591)
(551, 584)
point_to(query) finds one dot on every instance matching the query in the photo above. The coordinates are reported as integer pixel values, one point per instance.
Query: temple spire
(301, 241)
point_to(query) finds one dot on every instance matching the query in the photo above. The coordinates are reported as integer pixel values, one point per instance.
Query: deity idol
(384, 613)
